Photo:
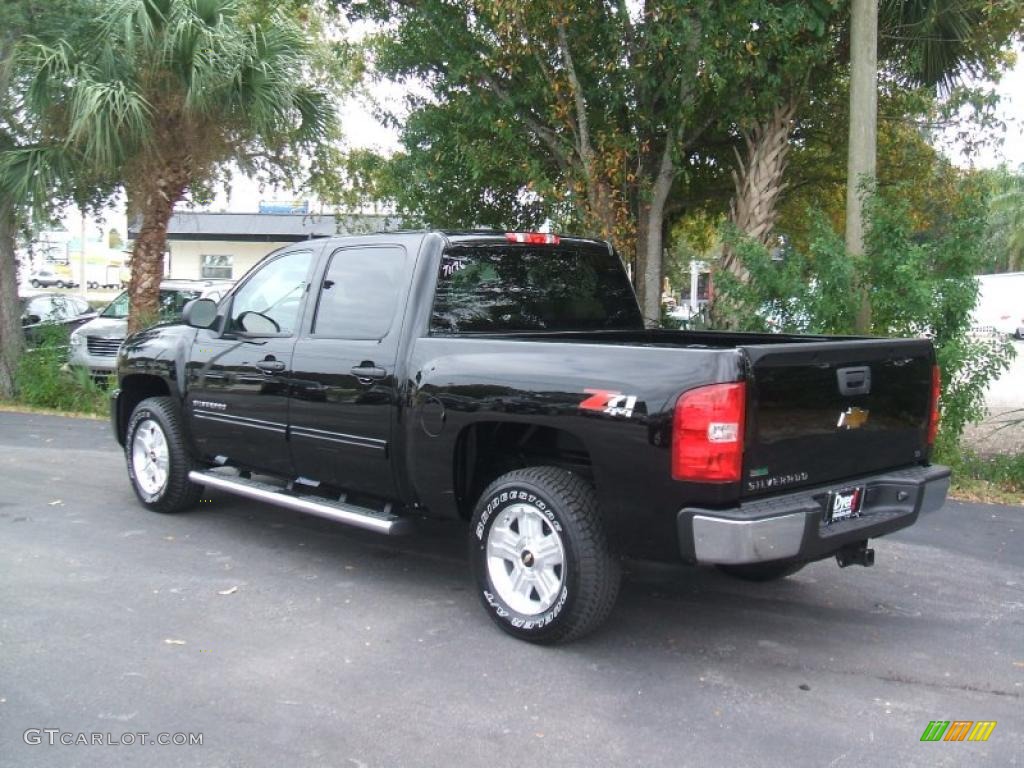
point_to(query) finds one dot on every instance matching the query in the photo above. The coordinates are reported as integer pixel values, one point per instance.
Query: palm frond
(30, 175)
(107, 119)
(212, 75)
(934, 36)
(48, 68)
(137, 24)
(317, 117)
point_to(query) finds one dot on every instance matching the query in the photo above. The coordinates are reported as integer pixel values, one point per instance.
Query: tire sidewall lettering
(500, 500)
(491, 511)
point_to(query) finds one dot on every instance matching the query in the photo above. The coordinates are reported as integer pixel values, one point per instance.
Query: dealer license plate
(844, 504)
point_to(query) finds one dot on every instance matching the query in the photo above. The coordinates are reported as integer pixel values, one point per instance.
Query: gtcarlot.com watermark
(55, 737)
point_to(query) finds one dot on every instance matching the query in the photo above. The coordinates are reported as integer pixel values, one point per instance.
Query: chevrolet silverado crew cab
(507, 379)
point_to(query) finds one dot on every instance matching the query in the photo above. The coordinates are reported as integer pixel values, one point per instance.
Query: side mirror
(199, 313)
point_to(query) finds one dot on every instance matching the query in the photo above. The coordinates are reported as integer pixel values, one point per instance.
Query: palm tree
(162, 96)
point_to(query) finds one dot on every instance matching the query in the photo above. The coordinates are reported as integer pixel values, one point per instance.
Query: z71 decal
(610, 403)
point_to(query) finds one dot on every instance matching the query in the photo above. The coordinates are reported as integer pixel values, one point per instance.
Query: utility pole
(860, 165)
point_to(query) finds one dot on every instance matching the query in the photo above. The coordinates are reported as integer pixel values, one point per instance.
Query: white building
(225, 245)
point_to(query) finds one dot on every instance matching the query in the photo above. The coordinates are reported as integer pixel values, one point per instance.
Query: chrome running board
(350, 514)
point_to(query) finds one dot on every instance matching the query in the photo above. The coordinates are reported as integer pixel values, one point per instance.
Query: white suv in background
(95, 344)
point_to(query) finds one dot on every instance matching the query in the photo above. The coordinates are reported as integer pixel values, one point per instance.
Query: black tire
(60, 283)
(589, 575)
(771, 571)
(34, 283)
(178, 493)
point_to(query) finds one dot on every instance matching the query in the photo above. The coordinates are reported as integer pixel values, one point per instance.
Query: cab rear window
(513, 288)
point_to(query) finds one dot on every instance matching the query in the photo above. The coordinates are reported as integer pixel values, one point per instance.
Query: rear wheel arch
(486, 450)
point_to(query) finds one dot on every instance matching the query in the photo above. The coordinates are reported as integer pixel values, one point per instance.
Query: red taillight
(532, 238)
(707, 434)
(933, 417)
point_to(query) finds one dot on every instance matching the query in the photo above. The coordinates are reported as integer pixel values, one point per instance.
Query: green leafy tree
(45, 20)
(594, 115)
(925, 42)
(162, 95)
(924, 48)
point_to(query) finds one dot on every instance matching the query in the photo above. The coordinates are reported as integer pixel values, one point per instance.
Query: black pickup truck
(507, 379)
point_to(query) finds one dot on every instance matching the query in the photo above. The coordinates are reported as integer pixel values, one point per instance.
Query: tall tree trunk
(155, 206)
(759, 181)
(12, 342)
(650, 241)
(860, 166)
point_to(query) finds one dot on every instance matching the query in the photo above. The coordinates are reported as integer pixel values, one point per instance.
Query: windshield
(171, 304)
(509, 288)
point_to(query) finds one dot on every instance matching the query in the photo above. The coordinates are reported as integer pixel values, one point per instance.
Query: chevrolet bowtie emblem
(852, 418)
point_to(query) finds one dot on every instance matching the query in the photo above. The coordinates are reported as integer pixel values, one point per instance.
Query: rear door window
(359, 297)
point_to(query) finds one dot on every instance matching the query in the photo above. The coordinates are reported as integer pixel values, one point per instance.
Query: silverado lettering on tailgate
(778, 481)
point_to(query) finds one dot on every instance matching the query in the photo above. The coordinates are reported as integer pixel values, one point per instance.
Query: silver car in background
(94, 345)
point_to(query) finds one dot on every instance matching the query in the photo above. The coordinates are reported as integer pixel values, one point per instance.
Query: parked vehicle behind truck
(94, 345)
(507, 379)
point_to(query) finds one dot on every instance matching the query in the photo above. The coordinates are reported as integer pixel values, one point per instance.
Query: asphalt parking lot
(290, 641)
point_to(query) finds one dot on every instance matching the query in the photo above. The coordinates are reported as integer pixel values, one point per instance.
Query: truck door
(344, 393)
(238, 380)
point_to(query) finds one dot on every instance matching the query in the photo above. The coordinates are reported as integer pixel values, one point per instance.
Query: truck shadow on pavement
(659, 604)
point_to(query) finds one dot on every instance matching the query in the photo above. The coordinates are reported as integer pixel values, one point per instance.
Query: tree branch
(584, 148)
(548, 136)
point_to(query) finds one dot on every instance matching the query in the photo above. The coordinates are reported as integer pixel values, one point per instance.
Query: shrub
(921, 282)
(43, 379)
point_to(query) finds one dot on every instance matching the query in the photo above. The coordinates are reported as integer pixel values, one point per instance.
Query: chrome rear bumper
(793, 527)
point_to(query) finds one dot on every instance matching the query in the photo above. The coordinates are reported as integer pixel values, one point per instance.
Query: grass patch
(996, 479)
(44, 381)
(13, 406)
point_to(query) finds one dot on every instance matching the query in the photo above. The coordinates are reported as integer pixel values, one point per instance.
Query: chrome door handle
(367, 374)
(270, 366)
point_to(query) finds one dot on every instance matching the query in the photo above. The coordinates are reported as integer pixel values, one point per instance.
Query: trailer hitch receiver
(856, 554)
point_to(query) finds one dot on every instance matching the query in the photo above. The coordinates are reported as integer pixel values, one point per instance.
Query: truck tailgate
(824, 411)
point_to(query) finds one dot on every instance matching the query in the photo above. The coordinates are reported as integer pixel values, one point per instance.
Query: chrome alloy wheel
(150, 457)
(525, 559)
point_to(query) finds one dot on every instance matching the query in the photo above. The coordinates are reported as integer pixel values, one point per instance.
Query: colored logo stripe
(958, 730)
(982, 730)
